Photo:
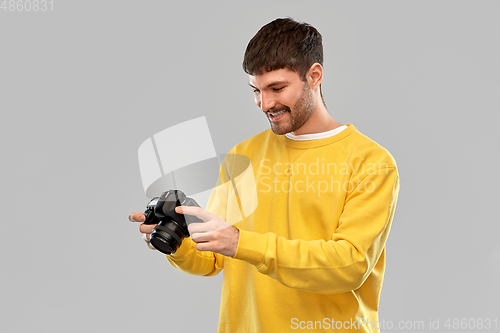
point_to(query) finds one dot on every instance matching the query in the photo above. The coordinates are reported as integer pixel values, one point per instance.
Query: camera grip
(149, 213)
(150, 217)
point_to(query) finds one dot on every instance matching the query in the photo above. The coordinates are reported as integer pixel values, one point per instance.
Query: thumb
(136, 217)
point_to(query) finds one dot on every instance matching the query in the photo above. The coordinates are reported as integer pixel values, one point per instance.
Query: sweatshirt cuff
(183, 250)
(251, 248)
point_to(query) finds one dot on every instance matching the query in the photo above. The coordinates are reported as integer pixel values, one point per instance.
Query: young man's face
(283, 90)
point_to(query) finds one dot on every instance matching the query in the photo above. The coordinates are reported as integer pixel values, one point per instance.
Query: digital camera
(171, 227)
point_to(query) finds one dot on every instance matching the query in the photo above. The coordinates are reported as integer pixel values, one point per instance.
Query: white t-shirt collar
(316, 136)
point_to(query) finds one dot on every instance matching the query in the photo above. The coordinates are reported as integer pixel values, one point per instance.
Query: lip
(273, 118)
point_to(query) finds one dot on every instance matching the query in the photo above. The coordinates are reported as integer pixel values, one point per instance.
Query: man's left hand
(213, 234)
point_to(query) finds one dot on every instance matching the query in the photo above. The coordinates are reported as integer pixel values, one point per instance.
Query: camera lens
(167, 236)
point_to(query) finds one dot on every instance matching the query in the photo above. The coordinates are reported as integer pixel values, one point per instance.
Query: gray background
(83, 86)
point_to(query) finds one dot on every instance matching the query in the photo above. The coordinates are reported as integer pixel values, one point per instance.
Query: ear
(315, 75)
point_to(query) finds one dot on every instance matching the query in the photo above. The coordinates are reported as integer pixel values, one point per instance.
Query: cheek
(257, 100)
(288, 100)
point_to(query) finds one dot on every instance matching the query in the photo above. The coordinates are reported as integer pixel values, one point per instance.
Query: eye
(278, 89)
(255, 91)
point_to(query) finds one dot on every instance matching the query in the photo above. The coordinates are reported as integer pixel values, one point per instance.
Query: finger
(207, 227)
(147, 239)
(211, 235)
(195, 211)
(195, 238)
(136, 217)
(146, 228)
(198, 227)
(205, 246)
(202, 237)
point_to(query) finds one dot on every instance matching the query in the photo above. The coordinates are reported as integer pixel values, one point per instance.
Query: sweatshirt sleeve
(339, 264)
(189, 260)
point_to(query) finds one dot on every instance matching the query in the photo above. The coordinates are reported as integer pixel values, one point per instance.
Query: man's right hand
(145, 229)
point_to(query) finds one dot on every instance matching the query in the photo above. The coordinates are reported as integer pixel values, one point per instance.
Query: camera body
(171, 227)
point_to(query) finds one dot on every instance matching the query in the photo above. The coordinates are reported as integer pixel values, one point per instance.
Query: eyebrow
(272, 84)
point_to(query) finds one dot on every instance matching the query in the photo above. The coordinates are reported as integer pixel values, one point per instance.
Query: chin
(279, 131)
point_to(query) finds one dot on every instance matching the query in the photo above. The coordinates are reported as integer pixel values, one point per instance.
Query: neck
(319, 121)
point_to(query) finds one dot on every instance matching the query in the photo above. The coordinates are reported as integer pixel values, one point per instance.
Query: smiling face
(287, 101)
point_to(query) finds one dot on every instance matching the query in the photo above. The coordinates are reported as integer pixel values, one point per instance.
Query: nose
(264, 101)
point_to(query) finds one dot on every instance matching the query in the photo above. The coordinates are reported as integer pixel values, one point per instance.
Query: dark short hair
(284, 43)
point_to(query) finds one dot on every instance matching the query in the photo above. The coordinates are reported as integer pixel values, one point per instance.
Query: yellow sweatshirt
(313, 220)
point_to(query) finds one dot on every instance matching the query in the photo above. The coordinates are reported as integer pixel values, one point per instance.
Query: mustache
(278, 109)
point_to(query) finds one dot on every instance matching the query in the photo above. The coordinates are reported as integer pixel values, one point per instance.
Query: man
(312, 254)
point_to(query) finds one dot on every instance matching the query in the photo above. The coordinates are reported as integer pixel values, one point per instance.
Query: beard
(298, 115)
